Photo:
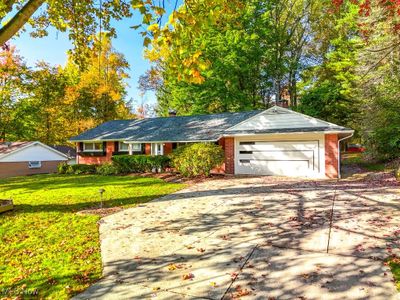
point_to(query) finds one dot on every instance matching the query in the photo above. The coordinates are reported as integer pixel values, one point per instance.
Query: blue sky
(53, 49)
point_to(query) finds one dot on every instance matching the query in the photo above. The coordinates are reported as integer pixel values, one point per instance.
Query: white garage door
(284, 158)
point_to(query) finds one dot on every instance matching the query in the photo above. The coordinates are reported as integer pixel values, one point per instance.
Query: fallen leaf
(187, 276)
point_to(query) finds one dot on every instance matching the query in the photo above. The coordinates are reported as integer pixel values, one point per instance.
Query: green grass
(394, 265)
(44, 245)
(357, 159)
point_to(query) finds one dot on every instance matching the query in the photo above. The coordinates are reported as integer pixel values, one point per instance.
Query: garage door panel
(285, 155)
(265, 146)
(283, 168)
(286, 158)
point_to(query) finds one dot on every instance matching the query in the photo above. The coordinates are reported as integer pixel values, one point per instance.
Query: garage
(280, 156)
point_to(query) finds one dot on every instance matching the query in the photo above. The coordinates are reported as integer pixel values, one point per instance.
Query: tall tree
(329, 89)
(246, 58)
(14, 75)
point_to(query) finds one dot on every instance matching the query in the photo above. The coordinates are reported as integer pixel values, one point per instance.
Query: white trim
(154, 149)
(296, 132)
(90, 141)
(32, 144)
(122, 150)
(93, 150)
(154, 142)
(247, 119)
(282, 109)
(320, 150)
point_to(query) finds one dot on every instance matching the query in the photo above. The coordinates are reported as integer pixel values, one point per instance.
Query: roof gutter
(288, 132)
(339, 160)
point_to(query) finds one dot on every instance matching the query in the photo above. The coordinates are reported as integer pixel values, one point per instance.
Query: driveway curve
(255, 238)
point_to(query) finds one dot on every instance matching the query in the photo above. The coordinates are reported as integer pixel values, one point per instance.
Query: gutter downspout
(340, 155)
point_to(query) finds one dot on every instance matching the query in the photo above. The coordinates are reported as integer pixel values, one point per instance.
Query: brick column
(229, 155)
(147, 149)
(331, 156)
(110, 148)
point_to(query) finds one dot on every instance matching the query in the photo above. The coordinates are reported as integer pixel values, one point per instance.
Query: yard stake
(331, 219)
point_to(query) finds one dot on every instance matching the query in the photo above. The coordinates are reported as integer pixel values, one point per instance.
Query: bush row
(189, 160)
(140, 163)
(121, 164)
(76, 169)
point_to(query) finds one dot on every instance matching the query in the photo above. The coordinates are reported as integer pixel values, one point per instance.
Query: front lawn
(48, 249)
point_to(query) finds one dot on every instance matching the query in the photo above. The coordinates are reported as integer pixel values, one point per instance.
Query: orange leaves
(187, 276)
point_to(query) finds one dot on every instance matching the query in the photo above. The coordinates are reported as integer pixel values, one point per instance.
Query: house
(276, 141)
(28, 158)
(68, 151)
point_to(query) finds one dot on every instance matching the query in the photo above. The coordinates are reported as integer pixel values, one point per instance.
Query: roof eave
(350, 131)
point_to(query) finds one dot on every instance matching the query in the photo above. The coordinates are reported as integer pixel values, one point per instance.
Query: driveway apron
(254, 238)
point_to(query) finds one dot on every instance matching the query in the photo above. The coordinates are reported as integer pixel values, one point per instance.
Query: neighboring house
(68, 151)
(27, 158)
(276, 141)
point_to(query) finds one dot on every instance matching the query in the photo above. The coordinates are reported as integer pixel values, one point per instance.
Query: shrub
(398, 173)
(140, 163)
(81, 169)
(108, 169)
(197, 159)
(62, 168)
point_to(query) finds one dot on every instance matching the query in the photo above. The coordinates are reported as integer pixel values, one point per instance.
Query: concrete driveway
(255, 238)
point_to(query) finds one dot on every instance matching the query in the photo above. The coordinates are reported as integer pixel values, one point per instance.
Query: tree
(329, 89)
(51, 103)
(97, 94)
(13, 77)
(81, 19)
(246, 58)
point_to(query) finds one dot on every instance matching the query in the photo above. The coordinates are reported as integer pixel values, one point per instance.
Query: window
(136, 147)
(246, 152)
(157, 149)
(95, 147)
(34, 164)
(123, 147)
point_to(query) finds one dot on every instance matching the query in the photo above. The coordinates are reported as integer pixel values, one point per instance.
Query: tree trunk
(19, 20)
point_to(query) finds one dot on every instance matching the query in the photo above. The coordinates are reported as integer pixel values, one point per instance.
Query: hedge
(76, 169)
(197, 159)
(140, 163)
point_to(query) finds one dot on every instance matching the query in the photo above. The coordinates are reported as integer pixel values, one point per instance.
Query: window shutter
(116, 146)
(81, 146)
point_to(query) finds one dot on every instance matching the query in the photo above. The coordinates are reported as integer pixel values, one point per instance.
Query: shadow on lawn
(273, 237)
(54, 182)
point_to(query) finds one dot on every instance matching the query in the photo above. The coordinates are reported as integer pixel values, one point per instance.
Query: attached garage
(282, 155)
(282, 142)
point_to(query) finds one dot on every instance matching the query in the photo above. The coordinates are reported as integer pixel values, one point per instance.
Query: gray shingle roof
(282, 120)
(207, 127)
(167, 129)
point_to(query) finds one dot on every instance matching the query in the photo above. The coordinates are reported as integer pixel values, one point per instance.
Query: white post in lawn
(130, 149)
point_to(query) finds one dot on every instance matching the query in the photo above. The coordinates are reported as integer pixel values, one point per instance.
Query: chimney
(172, 113)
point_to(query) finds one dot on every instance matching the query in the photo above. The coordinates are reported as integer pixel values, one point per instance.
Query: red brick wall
(96, 160)
(229, 155)
(331, 156)
(147, 149)
(9, 169)
(167, 148)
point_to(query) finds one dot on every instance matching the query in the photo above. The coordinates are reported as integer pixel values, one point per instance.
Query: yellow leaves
(153, 27)
(172, 267)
